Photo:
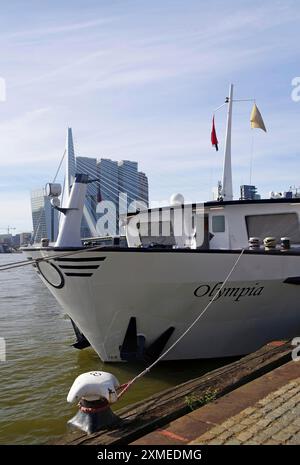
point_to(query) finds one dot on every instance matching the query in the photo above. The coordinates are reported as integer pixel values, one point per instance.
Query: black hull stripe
(287, 253)
(293, 280)
(82, 275)
(86, 259)
(79, 267)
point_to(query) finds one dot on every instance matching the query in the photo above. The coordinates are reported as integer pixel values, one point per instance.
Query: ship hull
(103, 290)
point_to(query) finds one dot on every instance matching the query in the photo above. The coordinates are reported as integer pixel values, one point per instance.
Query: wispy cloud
(127, 59)
(53, 29)
(28, 139)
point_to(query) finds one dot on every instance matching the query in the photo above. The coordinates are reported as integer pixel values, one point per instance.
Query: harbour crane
(8, 229)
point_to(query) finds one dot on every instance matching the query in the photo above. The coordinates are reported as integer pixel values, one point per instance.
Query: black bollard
(94, 416)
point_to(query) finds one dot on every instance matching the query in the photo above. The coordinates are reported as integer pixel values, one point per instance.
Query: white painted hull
(159, 290)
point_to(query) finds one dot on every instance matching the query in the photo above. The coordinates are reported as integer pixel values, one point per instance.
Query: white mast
(227, 193)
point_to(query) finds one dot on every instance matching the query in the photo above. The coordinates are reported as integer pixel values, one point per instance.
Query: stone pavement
(275, 419)
(263, 411)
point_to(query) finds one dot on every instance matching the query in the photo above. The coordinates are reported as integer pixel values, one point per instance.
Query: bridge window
(276, 225)
(218, 223)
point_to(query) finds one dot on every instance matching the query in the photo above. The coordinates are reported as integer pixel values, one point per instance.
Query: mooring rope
(13, 265)
(144, 372)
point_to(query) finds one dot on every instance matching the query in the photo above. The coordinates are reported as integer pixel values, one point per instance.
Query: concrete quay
(253, 400)
(263, 411)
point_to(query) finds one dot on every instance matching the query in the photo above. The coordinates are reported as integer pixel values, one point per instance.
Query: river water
(41, 365)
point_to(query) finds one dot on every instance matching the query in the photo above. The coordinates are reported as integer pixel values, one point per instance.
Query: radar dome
(176, 199)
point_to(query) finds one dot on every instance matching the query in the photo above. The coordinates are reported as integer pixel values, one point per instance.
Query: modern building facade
(108, 172)
(44, 216)
(122, 177)
(249, 192)
(143, 188)
(25, 238)
(6, 239)
(16, 240)
(121, 183)
(128, 184)
(87, 165)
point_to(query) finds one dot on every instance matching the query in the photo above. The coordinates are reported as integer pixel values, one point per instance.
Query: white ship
(133, 302)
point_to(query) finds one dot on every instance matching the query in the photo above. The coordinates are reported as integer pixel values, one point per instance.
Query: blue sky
(139, 80)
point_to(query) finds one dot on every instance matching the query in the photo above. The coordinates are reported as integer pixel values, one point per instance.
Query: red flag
(214, 139)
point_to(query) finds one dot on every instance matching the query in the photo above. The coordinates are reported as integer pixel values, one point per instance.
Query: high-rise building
(122, 177)
(6, 239)
(16, 240)
(87, 165)
(128, 183)
(123, 185)
(25, 238)
(249, 192)
(108, 172)
(143, 188)
(44, 216)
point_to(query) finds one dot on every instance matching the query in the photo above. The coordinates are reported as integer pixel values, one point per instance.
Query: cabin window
(218, 223)
(277, 225)
(157, 232)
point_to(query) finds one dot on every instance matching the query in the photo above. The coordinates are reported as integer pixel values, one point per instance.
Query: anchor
(81, 340)
(134, 345)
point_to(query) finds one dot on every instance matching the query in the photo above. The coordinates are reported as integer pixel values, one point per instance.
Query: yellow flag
(256, 119)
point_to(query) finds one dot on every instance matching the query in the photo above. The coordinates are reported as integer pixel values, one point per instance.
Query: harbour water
(41, 365)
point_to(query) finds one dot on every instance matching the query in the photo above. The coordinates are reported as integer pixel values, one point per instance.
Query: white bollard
(95, 392)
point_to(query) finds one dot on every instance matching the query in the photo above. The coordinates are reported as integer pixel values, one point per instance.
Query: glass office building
(44, 217)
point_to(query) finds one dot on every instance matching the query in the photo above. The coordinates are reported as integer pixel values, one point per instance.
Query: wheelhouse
(214, 225)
